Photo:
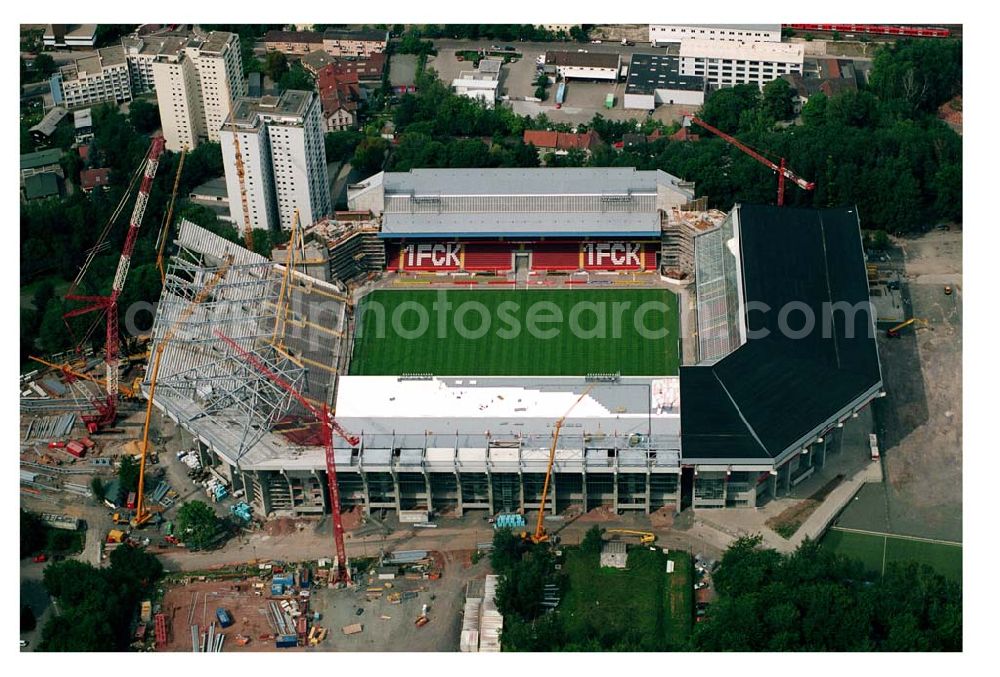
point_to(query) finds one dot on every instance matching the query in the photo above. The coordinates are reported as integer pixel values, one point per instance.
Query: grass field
(507, 332)
(642, 600)
(876, 551)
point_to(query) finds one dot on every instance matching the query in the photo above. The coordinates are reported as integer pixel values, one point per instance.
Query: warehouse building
(749, 417)
(655, 79)
(585, 65)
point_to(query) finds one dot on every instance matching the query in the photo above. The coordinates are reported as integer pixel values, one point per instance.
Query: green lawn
(517, 332)
(873, 550)
(642, 600)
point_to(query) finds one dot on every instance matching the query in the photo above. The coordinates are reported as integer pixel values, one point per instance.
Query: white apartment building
(93, 80)
(195, 80)
(660, 34)
(284, 159)
(141, 52)
(725, 64)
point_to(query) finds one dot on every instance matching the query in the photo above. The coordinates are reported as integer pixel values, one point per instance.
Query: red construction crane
(783, 171)
(107, 408)
(328, 426)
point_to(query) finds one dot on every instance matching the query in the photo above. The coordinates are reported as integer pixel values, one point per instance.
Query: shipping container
(286, 641)
(561, 93)
(225, 620)
(130, 501)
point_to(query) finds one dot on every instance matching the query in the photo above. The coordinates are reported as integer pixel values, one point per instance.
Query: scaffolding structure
(200, 375)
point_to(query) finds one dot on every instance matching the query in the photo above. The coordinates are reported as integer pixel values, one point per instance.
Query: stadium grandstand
(726, 411)
(532, 220)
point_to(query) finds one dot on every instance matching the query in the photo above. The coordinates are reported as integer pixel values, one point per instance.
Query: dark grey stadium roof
(649, 72)
(774, 390)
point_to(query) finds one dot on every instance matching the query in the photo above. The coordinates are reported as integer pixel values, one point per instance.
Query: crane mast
(109, 304)
(540, 536)
(168, 219)
(782, 171)
(241, 176)
(328, 426)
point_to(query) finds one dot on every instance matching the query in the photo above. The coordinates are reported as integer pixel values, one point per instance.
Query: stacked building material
(491, 621)
(470, 625)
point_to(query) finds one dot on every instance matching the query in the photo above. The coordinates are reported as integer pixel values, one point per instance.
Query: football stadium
(451, 318)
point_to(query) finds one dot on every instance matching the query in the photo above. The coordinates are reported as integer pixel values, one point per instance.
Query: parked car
(40, 557)
(359, 611)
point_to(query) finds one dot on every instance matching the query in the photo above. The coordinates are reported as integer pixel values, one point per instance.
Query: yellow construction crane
(168, 219)
(280, 318)
(241, 175)
(70, 373)
(894, 331)
(141, 514)
(540, 536)
(645, 537)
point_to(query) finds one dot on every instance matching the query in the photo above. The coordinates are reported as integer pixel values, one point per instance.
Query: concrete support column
(788, 478)
(584, 485)
(395, 486)
(774, 486)
(614, 490)
(520, 480)
(458, 485)
(364, 490)
(489, 492)
(265, 498)
(822, 453)
(427, 484)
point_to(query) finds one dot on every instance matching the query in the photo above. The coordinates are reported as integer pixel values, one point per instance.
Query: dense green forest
(809, 600)
(97, 607)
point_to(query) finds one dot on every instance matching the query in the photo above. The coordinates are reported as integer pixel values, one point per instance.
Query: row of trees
(96, 607)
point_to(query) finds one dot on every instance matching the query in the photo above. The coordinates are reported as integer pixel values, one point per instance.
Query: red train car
(876, 29)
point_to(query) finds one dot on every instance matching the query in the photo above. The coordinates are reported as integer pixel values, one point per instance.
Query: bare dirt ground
(195, 604)
(920, 421)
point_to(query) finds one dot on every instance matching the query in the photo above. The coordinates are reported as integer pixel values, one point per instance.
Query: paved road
(311, 544)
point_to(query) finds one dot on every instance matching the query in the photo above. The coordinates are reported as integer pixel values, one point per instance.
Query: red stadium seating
(497, 257)
(555, 256)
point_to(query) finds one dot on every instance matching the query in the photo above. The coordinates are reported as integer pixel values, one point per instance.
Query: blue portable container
(225, 620)
(285, 641)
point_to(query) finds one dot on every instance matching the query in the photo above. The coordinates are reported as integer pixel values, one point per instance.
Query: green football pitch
(876, 551)
(506, 332)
